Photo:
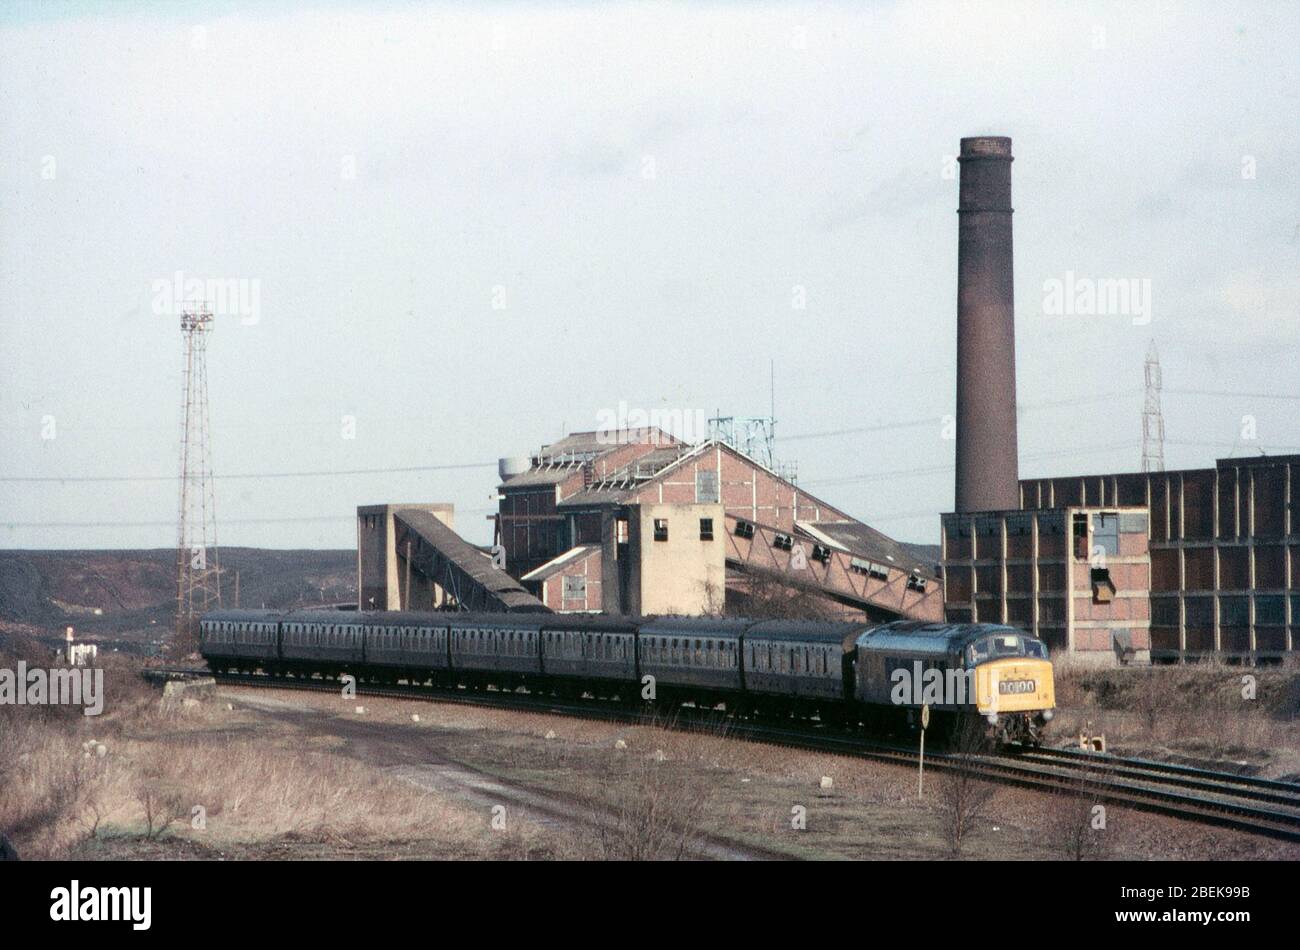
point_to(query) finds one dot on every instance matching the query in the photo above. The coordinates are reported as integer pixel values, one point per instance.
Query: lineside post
(920, 764)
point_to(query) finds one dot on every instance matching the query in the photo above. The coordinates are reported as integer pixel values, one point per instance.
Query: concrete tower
(987, 468)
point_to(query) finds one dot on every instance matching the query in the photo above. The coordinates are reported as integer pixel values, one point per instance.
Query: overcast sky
(472, 229)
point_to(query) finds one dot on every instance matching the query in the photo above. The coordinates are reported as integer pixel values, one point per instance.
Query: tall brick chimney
(987, 466)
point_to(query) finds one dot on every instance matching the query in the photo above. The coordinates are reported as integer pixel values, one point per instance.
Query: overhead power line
(251, 475)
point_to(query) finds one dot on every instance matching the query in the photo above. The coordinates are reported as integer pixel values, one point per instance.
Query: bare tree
(1077, 829)
(771, 594)
(162, 807)
(963, 795)
(657, 816)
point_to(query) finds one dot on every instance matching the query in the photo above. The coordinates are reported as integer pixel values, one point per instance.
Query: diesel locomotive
(874, 674)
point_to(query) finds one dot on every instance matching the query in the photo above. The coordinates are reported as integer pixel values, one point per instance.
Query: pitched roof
(865, 541)
(554, 463)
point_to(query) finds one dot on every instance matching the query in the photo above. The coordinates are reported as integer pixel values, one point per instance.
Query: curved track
(1255, 805)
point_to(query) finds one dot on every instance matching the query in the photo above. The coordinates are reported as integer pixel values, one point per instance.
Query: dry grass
(174, 770)
(1203, 710)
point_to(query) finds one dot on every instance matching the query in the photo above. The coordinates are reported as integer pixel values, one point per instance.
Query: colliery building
(1167, 565)
(638, 522)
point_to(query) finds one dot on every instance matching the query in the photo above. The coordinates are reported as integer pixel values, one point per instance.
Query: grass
(1208, 712)
(201, 779)
(270, 787)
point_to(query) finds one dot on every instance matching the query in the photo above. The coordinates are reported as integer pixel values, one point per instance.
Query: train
(879, 675)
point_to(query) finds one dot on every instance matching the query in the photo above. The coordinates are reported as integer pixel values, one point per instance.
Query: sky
(459, 231)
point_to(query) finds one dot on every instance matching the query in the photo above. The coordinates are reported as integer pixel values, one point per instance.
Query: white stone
(620, 744)
(415, 717)
(361, 710)
(827, 782)
(550, 734)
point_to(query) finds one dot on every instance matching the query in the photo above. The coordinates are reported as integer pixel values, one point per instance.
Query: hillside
(128, 598)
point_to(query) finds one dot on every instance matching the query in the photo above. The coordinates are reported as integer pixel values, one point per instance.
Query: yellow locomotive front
(1014, 691)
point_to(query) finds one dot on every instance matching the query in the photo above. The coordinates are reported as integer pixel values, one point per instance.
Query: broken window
(1133, 522)
(661, 529)
(575, 587)
(706, 486)
(744, 529)
(706, 529)
(1105, 534)
(1103, 588)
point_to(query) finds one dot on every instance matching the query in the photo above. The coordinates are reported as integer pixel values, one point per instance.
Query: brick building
(636, 521)
(1214, 553)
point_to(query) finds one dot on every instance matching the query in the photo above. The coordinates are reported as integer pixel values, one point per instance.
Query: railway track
(1244, 803)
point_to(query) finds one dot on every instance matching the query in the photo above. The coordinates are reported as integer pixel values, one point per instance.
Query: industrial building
(1156, 566)
(1199, 562)
(1149, 567)
(637, 522)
